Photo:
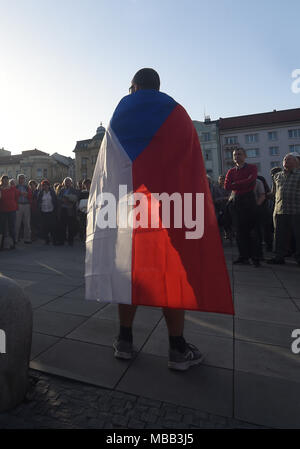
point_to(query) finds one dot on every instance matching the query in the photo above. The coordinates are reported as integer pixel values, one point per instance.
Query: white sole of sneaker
(185, 365)
(122, 355)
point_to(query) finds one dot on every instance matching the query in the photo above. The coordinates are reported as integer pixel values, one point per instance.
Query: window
(228, 154)
(206, 137)
(294, 133)
(251, 138)
(272, 135)
(207, 155)
(275, 164)
(252, 152)
(274, 151)
(231, 140)
(39, 172)
(45, 173)
(293, 148)
(257, 165)
(84, 161)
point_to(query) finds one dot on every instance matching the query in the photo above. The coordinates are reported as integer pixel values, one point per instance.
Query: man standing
(151, 148)
(47, 205)
(24, 209)
(242, 181)
(287, 208)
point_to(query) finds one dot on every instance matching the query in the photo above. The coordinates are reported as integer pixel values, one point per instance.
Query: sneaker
(181, 361)
(276, 261)
(123, 349)
(241, 261)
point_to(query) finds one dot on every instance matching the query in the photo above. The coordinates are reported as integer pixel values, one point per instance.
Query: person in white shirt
(47, 205)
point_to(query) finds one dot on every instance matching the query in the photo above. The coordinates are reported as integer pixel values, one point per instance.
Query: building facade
(266, 137)
(37, 165)
(209, 140)
(86, 153)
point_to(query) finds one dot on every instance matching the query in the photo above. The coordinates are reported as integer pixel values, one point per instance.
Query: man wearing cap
(287, 207)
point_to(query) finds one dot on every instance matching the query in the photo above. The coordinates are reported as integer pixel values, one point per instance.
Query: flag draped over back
(151, 146)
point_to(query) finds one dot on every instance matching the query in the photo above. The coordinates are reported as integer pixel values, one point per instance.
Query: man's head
(21, 179)
(45, 185)
(145, 79)
(4, 180)
(12, 182)
(221, 180)
(275, 170)
(32, 184)
(67, 182)
(290, 162)
(87, 184)
(239, 156)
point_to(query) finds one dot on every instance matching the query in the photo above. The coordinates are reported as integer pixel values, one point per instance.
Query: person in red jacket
(8, 205)
(241, 180)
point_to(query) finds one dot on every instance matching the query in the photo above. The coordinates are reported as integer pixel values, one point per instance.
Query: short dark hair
(240, 149)
(86, 181)
(147, 79)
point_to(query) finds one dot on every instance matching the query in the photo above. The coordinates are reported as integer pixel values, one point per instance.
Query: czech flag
(151, 148)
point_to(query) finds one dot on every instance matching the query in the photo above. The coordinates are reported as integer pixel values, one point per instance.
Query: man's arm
(228, 180)
(247, 182)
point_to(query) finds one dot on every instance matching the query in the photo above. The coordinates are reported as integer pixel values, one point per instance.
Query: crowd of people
(55, 213)
(261, 218)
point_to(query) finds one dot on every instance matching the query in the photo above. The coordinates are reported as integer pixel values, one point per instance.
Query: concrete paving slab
(148, 316)
(49, 288)
(82, 361)
(268, 309)
(209, 323)
(218, 351)
(103, 332)
(40, 299)
(77, 294)
(293, 291)
(254, 290)
(73, 306)
(55, 324)
(204, 388)
(263, 332)
(41, 342)
(267, 360)
(267, 401)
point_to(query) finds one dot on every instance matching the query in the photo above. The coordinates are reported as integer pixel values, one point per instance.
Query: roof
(63, 159)
(265, 118)
(34, 152)
(81, 144)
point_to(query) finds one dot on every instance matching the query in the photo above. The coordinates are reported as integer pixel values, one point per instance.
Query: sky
(65, 64)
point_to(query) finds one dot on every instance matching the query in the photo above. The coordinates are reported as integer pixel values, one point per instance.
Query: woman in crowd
(67, 197)
(8, 206)
(47, 205)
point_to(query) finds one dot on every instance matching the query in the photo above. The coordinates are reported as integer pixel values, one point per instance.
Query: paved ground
(250, 374)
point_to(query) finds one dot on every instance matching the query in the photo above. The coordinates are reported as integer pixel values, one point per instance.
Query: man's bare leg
(123, 345)
(126, 314)
(175, 321)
